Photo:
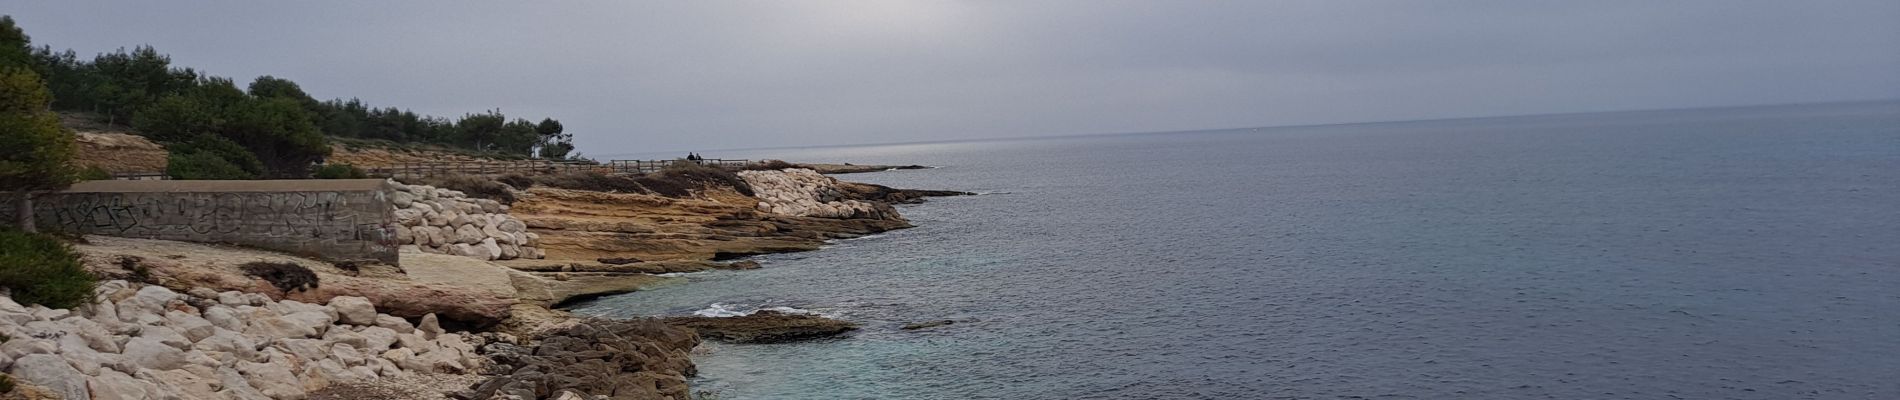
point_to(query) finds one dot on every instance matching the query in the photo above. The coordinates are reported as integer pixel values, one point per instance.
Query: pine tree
(38, 150)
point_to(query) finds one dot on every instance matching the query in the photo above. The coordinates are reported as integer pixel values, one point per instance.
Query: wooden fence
(533, 167)
(524, 167)
(141, 176)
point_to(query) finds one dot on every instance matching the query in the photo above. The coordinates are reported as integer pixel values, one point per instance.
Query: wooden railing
(533, 167)
(524, 167)
(141, 176)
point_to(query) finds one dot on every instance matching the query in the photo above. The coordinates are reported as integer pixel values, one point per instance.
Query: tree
(553, 144)
(269, 86)
(125, 82)
(517, 138)
(15, 47)
(558, 150)
(479, 131)
(38, 150)
(280, 133)
(171, 104)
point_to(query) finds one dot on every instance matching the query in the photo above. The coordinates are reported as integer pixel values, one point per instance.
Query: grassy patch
(136, 266)
(770, 165)
(689, 174)
(589, 180)
(475, 186)
(354, 144)
(41, 269)
(517, 181)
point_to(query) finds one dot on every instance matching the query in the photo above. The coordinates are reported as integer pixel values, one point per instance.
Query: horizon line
(1104, 134)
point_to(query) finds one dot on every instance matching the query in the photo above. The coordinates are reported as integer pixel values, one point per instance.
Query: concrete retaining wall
(337, 220)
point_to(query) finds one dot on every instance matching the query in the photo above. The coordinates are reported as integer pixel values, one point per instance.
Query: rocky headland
(470, 314)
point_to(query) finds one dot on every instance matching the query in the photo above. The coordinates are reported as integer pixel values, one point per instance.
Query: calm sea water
(1748, 253)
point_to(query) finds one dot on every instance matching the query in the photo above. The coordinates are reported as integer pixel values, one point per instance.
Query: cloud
(647, 76)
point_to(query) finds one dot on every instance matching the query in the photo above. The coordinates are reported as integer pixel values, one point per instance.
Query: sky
(646, 76)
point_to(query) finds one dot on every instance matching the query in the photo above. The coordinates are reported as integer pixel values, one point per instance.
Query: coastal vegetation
(41, 269)
(37, 147)
(281, 129)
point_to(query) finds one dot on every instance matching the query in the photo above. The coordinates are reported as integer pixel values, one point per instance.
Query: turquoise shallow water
(1747, 253)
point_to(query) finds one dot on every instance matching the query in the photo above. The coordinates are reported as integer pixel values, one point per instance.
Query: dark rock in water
(617, 260)
(632, 359)
(932, 324)
(887, 194)
(743, 264)
(763, 327)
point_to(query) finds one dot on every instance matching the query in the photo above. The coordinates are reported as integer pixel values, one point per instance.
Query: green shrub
(212, 157)
(203, 165)
(339, 171)
(94, 173)
(43, 270)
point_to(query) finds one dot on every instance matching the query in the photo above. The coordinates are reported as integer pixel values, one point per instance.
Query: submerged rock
(931, 324)
(764, 327)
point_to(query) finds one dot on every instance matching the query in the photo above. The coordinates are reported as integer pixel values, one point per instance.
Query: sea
(1728, 253)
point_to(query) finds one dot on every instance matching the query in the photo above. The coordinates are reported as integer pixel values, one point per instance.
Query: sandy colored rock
(354, 310)
(53, 373)
(117, 151)
(150, 353)
(581, 226)
(187, 265)
(115, 385)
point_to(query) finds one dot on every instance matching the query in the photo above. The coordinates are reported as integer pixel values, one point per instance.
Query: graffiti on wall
(301, 220)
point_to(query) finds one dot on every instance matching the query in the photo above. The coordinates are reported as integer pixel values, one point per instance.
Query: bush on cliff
(94, 173)
(212, 157)
(40, 269)
(770, 165)
(518, 181)
(687, 174)
(339, 171)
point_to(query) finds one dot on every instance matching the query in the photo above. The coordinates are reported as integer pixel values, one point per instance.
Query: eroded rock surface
(581, 227)
(632, 359)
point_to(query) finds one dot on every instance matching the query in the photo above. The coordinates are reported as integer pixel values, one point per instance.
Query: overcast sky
(698, 75)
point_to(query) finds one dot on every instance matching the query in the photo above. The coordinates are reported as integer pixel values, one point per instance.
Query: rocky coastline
(849, 168)
(462, 318)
